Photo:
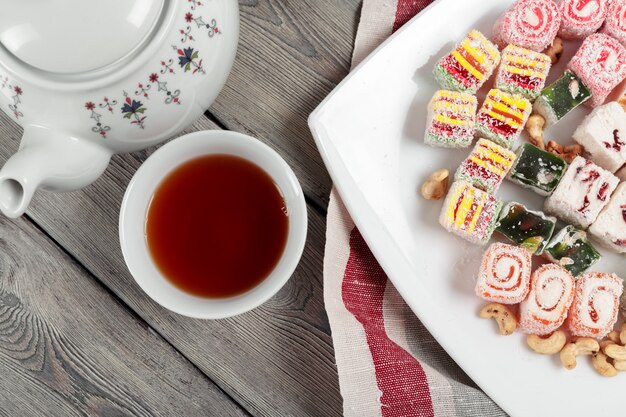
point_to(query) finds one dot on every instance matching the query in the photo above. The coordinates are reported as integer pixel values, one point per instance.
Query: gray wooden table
(79, 337)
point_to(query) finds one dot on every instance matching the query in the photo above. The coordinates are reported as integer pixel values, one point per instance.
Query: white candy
(621, 174)
(603, 135)
(582, 193)
(610, 227)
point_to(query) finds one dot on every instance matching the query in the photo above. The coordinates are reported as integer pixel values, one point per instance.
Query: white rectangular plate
(370, 133)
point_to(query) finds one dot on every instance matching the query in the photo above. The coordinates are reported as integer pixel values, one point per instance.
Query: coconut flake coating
(470, 213)
(522, 72)
(603, 135)
(486, 166)
(600, 63)
(596, 304)
(502, 117)
(469, 65)
(581, 18)
(610, 226)
(504, 275)
(551, 294)
(582, 193)
(451, 119)
(531, 24)
(615, 22)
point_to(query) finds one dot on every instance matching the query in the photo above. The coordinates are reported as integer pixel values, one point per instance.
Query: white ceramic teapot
(87, 79)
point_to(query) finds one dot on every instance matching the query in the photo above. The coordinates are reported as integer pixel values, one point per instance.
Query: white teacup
(135, 206)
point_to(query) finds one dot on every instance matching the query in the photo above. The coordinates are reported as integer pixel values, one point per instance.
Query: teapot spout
(51, 161)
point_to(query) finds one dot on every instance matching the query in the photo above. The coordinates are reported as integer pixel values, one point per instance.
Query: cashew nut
(507, 323)
(619, 365)
(555, 50)
(534, 127)
(568, 153)
(604, 343)
(616, 352)
(614, 336)
(436, 185)
(578, 346)
(547, 345)
(600, 362)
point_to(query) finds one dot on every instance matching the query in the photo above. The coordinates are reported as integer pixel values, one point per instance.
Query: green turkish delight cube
(571, 249)
(537, 169)
(531, 230)
(561, 97)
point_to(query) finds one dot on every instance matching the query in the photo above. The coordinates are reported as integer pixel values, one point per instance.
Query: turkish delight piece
(603, 135)
(600, 63)
(470, 213)
(615, 22)
(561, 97)
(582, 193)
(581, 18)
(571, 249)
(610, 226)
(487, 166)
(469, 65)
(551, 294)
(502, 117)
(504, 275)
(596, 305)
(531, 24)
(531, 230)
(522, 72)
(537, 169)
(451, 119)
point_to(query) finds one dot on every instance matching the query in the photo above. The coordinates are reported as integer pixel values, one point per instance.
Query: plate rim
(361, 213)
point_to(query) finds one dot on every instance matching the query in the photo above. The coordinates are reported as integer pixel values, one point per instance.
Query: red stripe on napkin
(407, 9)
(400, 377)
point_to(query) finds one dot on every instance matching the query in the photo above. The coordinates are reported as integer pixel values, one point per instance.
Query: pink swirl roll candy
(596, 304)
(551, 294)
(531, 24)
(615, 23)
(581, 18)
(600, 63)
(504, 274)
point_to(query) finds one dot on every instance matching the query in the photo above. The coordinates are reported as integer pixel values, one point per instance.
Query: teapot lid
(75, 36)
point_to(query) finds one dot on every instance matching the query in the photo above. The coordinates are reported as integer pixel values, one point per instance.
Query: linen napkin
(388, 363)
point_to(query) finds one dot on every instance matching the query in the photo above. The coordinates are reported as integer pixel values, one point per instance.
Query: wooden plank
(68, 347)
(277, 359)
(291, 54)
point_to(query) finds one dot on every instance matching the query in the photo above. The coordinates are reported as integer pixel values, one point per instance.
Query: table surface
(78, 336)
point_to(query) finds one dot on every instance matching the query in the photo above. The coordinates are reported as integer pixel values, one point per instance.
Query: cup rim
(141, 188)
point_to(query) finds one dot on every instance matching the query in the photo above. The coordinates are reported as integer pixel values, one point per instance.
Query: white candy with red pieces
(600, 63)
(581, 18)
(615, 22)
(551, 294)
(504, 275)
(603, 135)
(531, 24)
(596, 304)
(583, 192)
(610, 226)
